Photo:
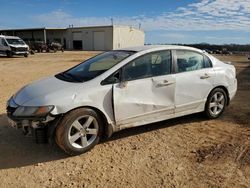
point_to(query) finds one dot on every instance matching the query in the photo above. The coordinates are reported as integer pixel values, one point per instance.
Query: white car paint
(135, 102)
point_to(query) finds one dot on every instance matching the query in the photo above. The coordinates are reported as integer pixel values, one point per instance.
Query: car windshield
(15, 41)
(95, 66)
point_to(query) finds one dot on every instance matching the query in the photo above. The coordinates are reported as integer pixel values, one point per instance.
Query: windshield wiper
(66, 77)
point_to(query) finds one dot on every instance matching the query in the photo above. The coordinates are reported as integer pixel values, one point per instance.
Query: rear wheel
(216, 103)
(79, 131)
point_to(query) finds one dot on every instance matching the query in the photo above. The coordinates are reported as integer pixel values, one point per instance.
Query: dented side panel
(144, 99)
(64, 99)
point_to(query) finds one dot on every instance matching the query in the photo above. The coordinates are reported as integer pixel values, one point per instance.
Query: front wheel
(79, 131)
(9, 54)
(216, 103)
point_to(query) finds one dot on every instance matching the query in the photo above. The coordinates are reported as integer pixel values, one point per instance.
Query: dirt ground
(190, 151)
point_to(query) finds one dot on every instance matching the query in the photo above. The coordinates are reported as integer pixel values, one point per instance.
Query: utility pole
(45, 36)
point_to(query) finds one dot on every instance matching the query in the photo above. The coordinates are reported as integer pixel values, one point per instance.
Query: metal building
(84, 38)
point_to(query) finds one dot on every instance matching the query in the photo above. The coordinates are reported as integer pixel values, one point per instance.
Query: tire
(79, 131)
(26, 55)
(9, 54)
(216, 103)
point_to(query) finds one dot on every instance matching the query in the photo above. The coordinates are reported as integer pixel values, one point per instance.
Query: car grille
(21, 49)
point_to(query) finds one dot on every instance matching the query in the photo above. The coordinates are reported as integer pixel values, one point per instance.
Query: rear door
(194, 80)
(146, 93)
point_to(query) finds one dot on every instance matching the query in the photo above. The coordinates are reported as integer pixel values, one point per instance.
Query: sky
(164, 21)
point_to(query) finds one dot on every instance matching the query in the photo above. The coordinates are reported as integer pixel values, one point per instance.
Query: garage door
(77, 35)
(99, 40)
(77, 44)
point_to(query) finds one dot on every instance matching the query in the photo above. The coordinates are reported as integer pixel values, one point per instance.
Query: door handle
(205, 76)
(164, 83)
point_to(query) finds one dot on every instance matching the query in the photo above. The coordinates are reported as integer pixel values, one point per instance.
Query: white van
(11, 45)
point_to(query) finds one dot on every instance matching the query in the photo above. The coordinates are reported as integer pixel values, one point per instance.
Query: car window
(149, 65)
(95, 66)
(1, 41)
(105, 63)
(15, 41)
(207, 62)
(112, 79)
(189, 61)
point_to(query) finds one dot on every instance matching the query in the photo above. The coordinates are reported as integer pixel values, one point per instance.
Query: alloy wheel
(217, 103)
(83, 131)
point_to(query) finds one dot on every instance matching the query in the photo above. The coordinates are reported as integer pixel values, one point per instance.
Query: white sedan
(121, 89)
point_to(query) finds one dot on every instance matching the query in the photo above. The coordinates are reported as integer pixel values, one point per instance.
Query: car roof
(160, 47)
(9, 37)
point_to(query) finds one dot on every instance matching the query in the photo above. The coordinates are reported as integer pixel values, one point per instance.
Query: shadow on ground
(18, 150)
(5, 57)
(159, 125)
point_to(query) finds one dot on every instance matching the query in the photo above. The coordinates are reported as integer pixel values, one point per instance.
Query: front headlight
(11, 103)
(33, 111)
(13, 48)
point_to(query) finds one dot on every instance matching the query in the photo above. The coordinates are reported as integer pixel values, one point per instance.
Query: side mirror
(110, 80)
(123, 84)
(5, 43)
(113, 80)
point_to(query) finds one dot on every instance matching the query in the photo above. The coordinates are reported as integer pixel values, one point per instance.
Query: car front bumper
(25, 121)
(20, 53)
(232, 89)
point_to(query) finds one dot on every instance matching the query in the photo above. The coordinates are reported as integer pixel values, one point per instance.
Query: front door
(146, 93)
(3, 46)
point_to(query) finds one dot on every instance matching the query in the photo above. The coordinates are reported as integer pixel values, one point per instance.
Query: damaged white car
(121, 89)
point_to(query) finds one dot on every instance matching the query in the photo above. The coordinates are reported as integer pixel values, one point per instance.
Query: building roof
(45, 28)
(9, 37)
(32, 29)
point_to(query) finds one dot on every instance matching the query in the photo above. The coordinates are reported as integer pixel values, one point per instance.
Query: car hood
(43, 87)
(18, 45)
